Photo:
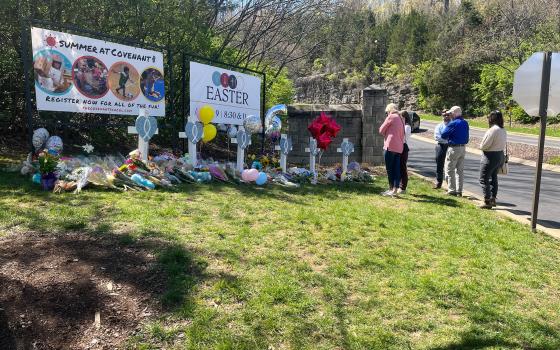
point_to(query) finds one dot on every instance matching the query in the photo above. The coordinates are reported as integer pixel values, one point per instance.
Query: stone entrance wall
(359, 123)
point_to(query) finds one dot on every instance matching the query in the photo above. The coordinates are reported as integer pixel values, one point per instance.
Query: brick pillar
(374, 101)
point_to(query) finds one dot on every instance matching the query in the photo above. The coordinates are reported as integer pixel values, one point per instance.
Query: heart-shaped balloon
(146, 127)
(194, 131)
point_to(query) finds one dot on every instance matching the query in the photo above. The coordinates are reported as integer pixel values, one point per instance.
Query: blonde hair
(392, 108)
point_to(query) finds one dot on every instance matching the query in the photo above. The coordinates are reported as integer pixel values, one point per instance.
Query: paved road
(529, 139)
(516, 188)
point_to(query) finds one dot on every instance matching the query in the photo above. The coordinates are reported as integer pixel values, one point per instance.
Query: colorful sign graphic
(233, 95)
(84, 75)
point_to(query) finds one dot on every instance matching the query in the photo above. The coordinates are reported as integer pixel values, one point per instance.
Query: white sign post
(146, 128)
(536, 87)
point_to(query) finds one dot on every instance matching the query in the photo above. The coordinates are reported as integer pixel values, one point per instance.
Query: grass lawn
(551, 130)
(324, 267)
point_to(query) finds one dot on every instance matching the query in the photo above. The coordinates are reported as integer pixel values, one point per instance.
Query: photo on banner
(85, 75)
(233, 96)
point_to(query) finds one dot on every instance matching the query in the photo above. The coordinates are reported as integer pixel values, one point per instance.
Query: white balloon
(40, 136)
(54, 143)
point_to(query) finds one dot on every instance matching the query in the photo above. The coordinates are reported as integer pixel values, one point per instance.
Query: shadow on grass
(424, 198)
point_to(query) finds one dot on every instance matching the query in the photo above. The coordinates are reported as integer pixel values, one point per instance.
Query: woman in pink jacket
(392, 130)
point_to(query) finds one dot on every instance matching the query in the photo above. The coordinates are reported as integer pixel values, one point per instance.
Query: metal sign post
(536, 88)
(543, 108)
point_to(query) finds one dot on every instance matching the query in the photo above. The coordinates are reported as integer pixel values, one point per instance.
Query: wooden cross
(145, 133)
(313, 152)
(243, 140)
(285, 147)
(346, 148)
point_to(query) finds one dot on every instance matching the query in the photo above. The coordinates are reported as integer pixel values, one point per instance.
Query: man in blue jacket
(457, 135)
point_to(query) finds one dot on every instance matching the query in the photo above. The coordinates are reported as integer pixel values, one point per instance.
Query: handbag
(503, 170)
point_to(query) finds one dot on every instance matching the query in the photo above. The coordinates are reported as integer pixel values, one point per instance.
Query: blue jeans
(393, 166)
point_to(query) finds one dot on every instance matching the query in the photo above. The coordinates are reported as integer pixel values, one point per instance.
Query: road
(515, 191)
(529, 139)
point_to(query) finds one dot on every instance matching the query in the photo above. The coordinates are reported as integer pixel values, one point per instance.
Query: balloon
(274, 136)
(332, 128)
(250, 175)
(272, 113)
(232, 132)
(142, 181)
(245, 175)
(54, 143)
(209, 132)
(261, 179)
(206, 114)
(40, 136)
(222, 127)
(324, 141)
(256, 165)
(36, 178)
(252, 124)
(315, 128)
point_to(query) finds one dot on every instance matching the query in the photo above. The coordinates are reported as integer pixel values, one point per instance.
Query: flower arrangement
(48, 161)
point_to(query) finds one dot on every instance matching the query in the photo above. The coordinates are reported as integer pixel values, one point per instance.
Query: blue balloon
(36, 178)
(216, 78)
(139, 179)
(261, 180)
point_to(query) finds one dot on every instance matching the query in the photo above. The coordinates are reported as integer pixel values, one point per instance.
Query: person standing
(457, 135)
(441, 148)
(492, 146)
(392, 130)
(406, 148)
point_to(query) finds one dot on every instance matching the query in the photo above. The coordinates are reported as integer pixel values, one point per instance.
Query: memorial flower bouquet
(48, 161)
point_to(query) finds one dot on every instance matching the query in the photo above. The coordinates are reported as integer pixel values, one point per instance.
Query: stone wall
(359, 123)
(349, 117)
(337, 88)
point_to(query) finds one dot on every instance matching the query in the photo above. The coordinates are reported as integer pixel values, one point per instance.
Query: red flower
(315, 129)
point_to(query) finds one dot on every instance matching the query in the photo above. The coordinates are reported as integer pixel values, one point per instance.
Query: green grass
(551, 130)
(325, 267)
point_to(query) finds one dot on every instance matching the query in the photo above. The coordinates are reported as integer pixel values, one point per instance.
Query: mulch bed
(52, 287)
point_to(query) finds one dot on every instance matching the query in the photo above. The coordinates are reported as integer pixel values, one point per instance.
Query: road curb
(525, 220)
(549, 167)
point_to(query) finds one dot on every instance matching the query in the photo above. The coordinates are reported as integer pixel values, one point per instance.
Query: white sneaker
(387, 193)
(400, 191)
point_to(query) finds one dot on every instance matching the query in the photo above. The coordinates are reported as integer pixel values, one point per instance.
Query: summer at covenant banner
(84, 75)
(232, 95)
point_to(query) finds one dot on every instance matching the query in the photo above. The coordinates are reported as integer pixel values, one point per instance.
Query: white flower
(87, 148)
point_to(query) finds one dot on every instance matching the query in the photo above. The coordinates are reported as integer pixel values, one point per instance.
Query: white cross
(345, 143)
(143, 146)
(240, 151)
(313, 151)
(283, 156)
(191, 146)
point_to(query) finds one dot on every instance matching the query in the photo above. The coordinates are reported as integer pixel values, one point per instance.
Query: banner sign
(84, 75)
(233, 96)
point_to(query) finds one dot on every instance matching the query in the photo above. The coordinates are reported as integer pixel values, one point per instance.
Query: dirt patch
(75, 291)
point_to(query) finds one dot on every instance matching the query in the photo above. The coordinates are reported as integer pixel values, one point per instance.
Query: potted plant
(48, 161)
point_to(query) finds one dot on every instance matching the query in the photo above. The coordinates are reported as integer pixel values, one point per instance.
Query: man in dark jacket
(457, 135)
